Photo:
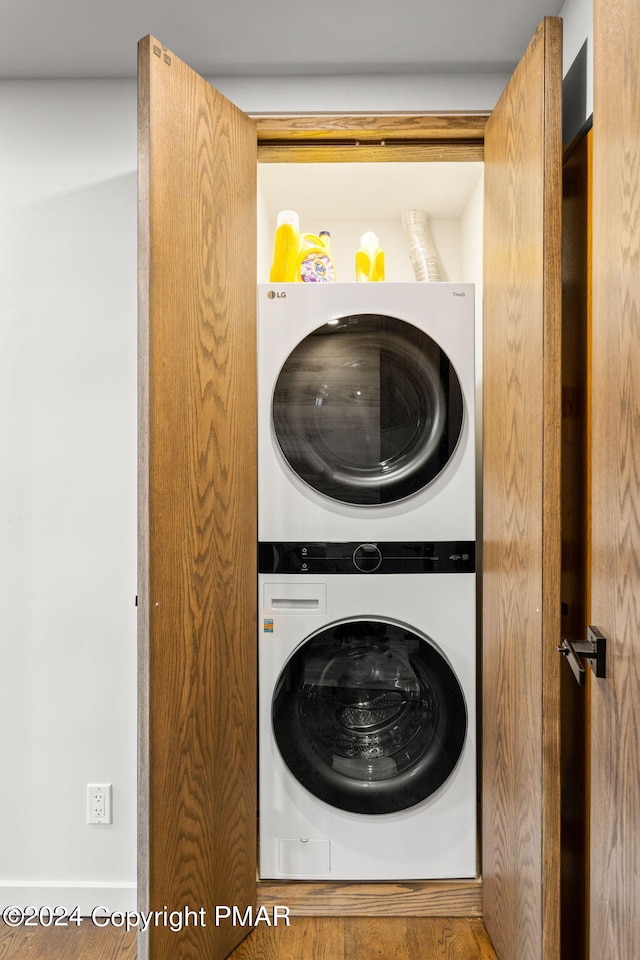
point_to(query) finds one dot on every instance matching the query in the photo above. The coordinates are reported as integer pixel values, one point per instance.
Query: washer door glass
(369, 716)
(367, 409)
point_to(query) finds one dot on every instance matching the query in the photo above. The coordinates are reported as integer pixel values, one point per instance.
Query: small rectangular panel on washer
(302, 856)
(295, 598)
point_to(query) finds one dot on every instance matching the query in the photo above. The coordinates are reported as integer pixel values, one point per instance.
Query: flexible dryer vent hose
(422, 252)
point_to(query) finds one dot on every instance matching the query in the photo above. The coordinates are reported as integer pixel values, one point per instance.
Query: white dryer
(366, 411)
(367, 711)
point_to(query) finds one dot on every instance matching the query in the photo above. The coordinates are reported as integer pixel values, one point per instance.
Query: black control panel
(448, 556)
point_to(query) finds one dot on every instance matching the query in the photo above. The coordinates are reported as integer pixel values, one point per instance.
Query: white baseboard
(86, 896)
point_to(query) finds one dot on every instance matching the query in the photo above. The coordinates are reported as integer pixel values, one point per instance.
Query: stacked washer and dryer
(367, 596)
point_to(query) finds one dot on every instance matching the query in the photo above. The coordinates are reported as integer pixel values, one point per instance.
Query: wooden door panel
(197, 504)
(615, 584)
(521, 506)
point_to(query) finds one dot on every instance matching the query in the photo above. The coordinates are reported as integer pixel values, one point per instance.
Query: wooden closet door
(521, 512)
(197, 631)
(615, 583)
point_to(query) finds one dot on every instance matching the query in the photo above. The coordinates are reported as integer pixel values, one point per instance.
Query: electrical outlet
(99, 803)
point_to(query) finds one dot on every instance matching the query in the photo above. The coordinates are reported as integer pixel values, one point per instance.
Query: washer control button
(367, 557)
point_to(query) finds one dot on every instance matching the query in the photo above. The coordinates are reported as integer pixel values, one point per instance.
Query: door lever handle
(594, 648)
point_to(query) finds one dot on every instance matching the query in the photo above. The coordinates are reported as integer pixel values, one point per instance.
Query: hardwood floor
(70, 943)
(370, 938)
(308, 938)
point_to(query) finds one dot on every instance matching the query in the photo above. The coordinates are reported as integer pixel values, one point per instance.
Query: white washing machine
(366, 411)
(367, 711)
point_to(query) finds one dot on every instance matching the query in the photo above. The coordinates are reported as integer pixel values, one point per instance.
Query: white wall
(67, 489)
(382, 93)
(577, 16)
(578, 86)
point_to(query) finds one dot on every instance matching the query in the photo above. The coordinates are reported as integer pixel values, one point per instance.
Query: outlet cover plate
(99, 803)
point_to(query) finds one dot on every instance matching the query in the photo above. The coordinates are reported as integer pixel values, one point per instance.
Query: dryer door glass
(369, 716)
(367, 409)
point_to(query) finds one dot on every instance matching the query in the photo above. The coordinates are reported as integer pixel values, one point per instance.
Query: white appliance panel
(302, 837)
(289, 508)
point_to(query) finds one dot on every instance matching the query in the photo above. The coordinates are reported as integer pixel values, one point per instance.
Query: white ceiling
(352, 190)
(97, 38)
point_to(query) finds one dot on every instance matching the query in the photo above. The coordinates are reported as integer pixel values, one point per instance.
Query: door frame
(380, 138)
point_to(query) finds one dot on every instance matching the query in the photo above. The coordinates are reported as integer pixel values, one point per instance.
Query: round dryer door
(369, 716)
(367, 409)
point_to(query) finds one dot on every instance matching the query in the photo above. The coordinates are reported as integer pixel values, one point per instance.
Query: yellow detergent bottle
(315, 260)
(286, 248)
(369, 259)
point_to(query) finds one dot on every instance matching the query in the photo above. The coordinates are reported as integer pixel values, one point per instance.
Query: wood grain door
(197, 571)
(521, 507)
(615, 577)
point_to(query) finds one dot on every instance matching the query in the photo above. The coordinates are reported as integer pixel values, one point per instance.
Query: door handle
(594, 648)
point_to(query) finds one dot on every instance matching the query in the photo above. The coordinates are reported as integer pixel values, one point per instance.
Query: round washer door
(369, 716)
(367, 409)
